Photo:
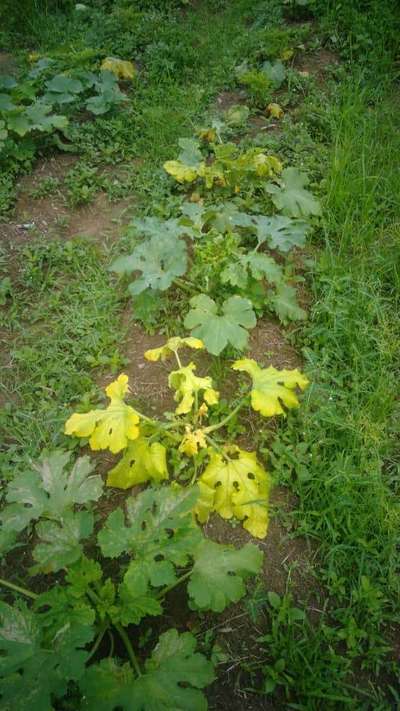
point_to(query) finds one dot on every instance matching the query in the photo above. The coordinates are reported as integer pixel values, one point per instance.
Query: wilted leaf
(275, 110)
(186, 384)
(272, 389)
(241, 489)
(111, 428)
(141, 462)
(120, 67)
(172, 346)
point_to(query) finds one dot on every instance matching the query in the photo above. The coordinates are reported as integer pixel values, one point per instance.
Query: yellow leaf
(241, 489)
(205, 502)
(272, 388)
(110, 428)
(181, 172)
(211, 396)
(207, 134)
(141, 462)
(192, 441)
(287, 54)
(120, 67)
(211, 173)
(267, 166)
(172, 346)
(275, 111)
(203, 409)
(187, 384)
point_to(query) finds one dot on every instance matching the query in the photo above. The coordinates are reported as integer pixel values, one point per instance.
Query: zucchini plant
(229, 246)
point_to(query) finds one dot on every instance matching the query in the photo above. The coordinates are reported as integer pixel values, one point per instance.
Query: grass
(340, 454)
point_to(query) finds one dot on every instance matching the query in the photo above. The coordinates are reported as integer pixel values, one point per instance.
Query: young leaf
(187, 384)
(291, 197)
(285, 305)
(141, 462)
(111, 428)
(219, 572)
(171, 681)
(241, 489)
(172, 346)
(215, 329)
(160, 260)
(272, 388)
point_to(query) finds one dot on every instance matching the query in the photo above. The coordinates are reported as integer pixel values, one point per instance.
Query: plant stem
(180, 580)
(129, 648)
(17, 588)
(223, 422)
(102, 631)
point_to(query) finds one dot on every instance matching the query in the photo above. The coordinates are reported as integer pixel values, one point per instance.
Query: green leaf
(219, 572)
(60, 542)
(82, 574)
(215, 329)
(160, 260)
(281, 232)
(35, 669)
(190, 153)
(59, 603)
(172, 680)
(5, 103)
(7, 82)
(157, 228)
(275, 72)
(49, 490)
(62, 84)
(161, 535)
(237, 115)
(284, 303)
(18, 123)
(291, 197)
(262, 266)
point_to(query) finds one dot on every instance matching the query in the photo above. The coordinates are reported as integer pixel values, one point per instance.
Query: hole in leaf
(169, 532)
(158, 558)
(143, 525)
(250, 475)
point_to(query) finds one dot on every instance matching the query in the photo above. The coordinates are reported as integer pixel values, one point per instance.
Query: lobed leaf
(272, 389)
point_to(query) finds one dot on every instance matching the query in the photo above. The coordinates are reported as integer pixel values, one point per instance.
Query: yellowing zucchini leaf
(172, 346)
(181, 172)
(141, 462)
(187, 384)
(275, 110)
(272, 388)
(111, 428)
(236, 487)
(121, 68)
(192, 441)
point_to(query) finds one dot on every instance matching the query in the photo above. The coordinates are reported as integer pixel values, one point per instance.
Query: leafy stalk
(18, 588)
